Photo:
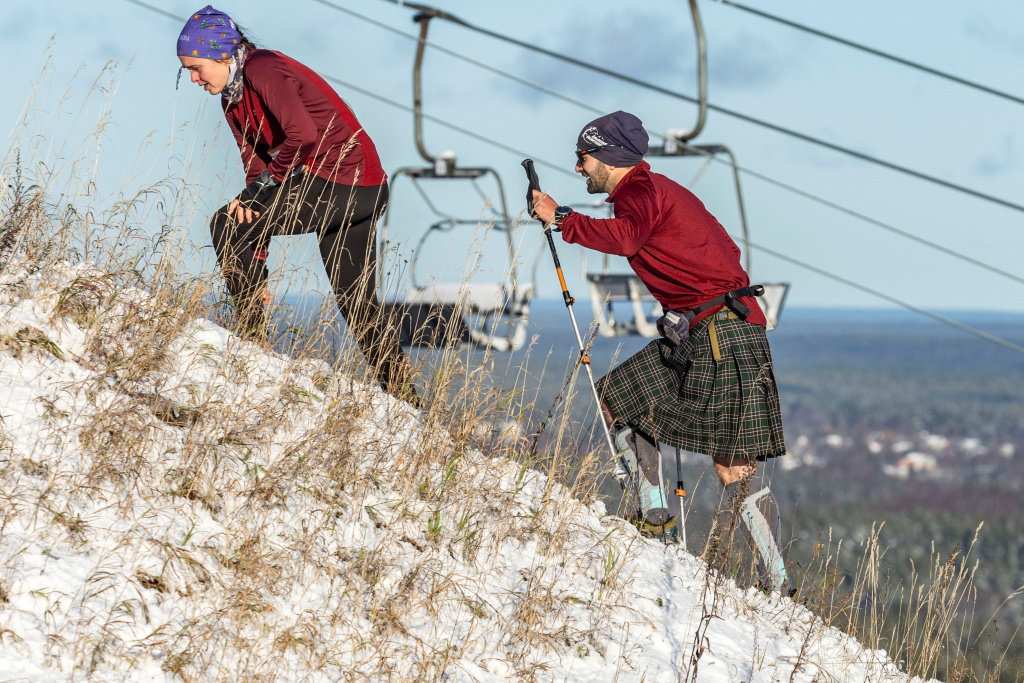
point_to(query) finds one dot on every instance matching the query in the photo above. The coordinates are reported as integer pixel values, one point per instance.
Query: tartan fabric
(683, 397)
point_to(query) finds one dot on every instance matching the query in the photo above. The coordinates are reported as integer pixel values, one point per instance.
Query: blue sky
(756, 67)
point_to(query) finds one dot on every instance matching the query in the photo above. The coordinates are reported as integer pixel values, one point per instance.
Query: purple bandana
(209, 34)
(618, 139)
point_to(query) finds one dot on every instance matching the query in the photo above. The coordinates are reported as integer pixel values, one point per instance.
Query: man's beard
(597, 181)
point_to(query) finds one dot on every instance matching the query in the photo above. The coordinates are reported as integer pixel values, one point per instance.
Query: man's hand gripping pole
(531, 175)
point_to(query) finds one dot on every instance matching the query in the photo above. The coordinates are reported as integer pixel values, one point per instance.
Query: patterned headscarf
(209, 34)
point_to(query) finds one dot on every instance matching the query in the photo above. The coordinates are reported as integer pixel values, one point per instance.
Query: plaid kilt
(683, 397)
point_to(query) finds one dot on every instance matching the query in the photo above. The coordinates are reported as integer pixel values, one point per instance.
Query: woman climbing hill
(310, 167)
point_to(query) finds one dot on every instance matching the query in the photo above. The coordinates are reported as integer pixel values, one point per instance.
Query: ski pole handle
(531, 176)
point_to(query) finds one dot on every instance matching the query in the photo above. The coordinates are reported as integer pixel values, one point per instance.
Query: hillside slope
(176, 504)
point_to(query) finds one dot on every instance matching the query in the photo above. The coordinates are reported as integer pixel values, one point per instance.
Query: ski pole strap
(732, 302)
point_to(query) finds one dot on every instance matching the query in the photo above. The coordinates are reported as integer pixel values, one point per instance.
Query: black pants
(344, 219)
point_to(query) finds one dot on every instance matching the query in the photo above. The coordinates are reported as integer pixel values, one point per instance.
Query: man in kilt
(707, 385)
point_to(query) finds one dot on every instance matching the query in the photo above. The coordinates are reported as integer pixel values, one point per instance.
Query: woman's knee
(220, 227)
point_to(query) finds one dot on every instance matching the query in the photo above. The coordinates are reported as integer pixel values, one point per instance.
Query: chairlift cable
(891, 299)
(445, 124)
(777, 183)
(872, 51)
(899, 168)
(458, 55)
(880, 224)
(934, 316)
(803, 193)
(858, 215)
(152, 8)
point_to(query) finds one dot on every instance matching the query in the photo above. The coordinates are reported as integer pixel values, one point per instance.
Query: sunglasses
(580, 153)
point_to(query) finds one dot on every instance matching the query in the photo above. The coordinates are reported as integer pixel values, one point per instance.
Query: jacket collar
(642, 166)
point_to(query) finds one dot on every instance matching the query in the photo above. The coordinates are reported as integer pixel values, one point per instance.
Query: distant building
(971, 447)
(834, 440)
(911, 462)
(934, 442)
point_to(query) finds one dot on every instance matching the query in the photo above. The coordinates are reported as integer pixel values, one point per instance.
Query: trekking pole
(681, 492)
(531, 175)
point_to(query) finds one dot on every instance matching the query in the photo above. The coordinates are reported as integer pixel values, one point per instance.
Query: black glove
(675, 326)
(257, 192)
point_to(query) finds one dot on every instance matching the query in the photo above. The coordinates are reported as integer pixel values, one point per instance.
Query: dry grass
(247, 513)
(927, 625)
(215, 488)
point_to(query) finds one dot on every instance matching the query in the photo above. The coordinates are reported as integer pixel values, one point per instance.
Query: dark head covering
(618, 139)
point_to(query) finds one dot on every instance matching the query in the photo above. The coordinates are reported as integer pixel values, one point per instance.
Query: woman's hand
(241, 207)
(242, 214)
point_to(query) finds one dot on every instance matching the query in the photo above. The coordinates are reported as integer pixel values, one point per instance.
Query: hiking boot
(655, 530)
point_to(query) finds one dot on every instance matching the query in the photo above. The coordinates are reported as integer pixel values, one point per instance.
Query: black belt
(732, 302)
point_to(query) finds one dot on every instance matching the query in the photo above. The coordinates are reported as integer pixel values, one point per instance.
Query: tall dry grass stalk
(230, 481)
(167, 452)
(927, 623)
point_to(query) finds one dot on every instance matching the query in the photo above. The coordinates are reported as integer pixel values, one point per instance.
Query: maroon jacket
(286, 105)
(681, 253)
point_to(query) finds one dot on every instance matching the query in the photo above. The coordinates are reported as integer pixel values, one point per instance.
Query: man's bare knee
(609, 417)
(731, 470)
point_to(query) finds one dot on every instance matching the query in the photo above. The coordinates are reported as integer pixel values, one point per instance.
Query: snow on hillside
(180, 505)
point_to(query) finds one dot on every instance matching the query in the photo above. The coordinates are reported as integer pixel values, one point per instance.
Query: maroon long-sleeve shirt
(286, 106)
(677, 248)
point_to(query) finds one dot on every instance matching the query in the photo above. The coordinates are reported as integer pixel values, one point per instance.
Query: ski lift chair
(607, 288)
(489, 314)
(677, 144)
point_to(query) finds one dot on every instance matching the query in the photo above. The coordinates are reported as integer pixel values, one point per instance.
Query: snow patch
(180, 504)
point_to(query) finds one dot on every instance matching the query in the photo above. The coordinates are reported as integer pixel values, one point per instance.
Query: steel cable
(482, 138)
(872, 51)
(891, 299)
(920, 175)
(583, 105)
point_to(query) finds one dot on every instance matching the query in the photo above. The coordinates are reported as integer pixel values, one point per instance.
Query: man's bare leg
(609, 417)
(732, 470)
(759, 517)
